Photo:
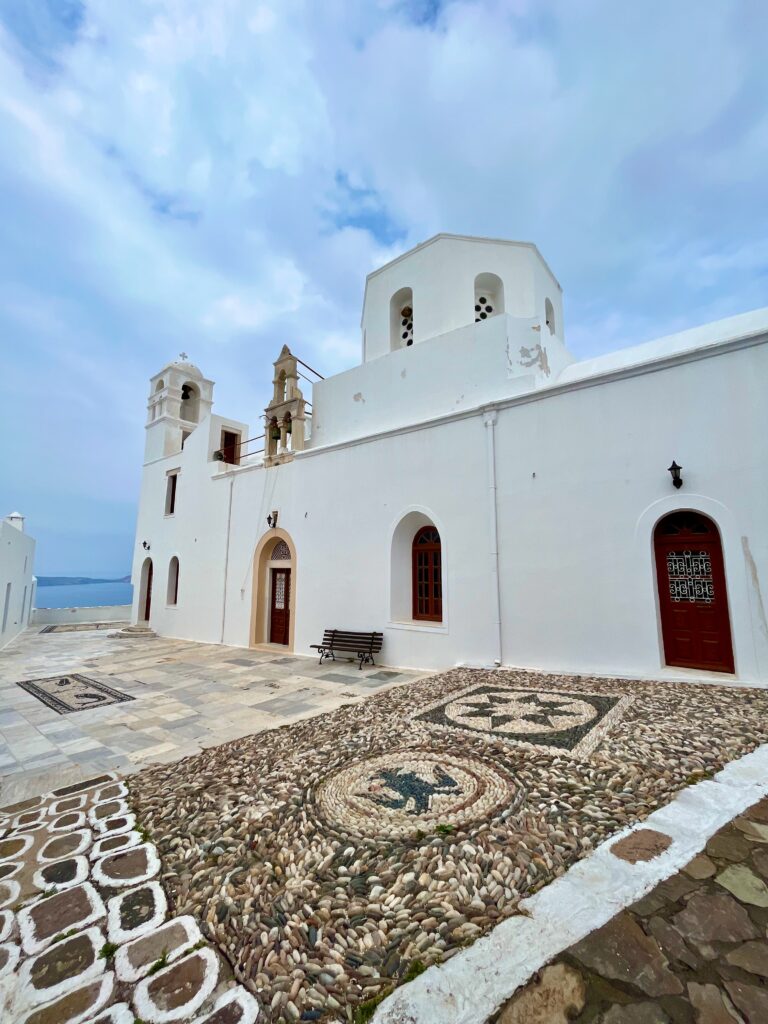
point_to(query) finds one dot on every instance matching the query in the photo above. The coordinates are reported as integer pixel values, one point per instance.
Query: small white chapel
(470, 490)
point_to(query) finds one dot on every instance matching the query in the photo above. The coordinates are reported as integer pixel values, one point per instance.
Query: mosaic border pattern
(583, 747)
(80, 627)
(59, 705)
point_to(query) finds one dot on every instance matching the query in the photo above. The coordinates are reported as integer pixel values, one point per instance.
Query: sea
(84, 595)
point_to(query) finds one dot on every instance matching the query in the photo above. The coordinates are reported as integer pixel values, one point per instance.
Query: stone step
(136, 632)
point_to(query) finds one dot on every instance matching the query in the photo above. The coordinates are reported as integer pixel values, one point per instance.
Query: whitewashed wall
(577, 580)
(17, 552)
(63, 616)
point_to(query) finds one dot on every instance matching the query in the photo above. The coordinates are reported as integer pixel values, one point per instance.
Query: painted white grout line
(476, 982)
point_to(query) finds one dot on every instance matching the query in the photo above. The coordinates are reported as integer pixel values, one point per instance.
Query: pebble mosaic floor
(328, 859)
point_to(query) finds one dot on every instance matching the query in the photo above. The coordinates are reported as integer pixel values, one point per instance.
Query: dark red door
(695, 623)
(279, 616)
(148, 595)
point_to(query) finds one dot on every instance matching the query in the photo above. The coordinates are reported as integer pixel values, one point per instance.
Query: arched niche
(692, 592)
(549, 316)
(401, 319)
(489, 296)
(172, 595)
(190, 402)
(404, 581)
(275, 555)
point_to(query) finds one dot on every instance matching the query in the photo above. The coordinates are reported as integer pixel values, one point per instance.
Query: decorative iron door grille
(690, 576)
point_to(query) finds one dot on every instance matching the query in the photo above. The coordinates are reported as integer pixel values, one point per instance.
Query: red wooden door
(695, 623)
(279, 616)
(148, 595)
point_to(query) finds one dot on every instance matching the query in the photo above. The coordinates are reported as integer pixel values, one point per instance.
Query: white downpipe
(489, 421)
(226, 556)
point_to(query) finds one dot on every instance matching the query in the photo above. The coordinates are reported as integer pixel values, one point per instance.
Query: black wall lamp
(145, 545)
(272, 520)
(677, 478)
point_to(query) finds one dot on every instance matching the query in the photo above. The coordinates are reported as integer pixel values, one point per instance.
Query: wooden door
(693, 599)
(230, 447)
(279, 613)
(148, 594)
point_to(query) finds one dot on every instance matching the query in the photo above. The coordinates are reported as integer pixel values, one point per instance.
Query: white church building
(471, 491)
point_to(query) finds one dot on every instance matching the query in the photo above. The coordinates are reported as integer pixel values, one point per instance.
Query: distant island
(69, 581)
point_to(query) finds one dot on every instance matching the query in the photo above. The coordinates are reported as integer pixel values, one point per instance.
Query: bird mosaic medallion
(405, 792)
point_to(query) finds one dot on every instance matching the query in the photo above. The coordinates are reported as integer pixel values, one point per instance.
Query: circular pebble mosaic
(404, 792)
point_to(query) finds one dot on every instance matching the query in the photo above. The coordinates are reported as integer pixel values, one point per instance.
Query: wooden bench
(362, 645)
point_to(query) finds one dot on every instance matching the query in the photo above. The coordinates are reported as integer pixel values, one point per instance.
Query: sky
(219, 178)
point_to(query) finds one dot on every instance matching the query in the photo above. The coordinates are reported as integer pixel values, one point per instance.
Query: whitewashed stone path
(85, 934)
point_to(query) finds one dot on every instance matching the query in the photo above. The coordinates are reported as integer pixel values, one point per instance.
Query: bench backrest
(348, 638)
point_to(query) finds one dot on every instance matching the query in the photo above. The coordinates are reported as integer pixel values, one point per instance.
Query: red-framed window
(427, 576)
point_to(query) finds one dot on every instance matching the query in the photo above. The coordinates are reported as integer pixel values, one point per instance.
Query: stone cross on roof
(183, 356)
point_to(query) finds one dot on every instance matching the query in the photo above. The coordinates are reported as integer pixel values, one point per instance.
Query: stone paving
(692, 951)
(186, 696)
(331, 860)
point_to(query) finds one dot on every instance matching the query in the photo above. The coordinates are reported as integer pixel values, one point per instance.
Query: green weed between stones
(65, 935)
(192, 949)
(160, 963)
(415, 968)
(698, 776)
(444, 830)
(108, 950)
(365, 1011)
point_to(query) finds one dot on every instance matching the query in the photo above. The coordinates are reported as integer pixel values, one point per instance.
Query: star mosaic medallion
(549, 719)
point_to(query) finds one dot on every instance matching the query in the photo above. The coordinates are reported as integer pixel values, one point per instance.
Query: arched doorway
(274, 600)
(693, 599)
(145, 591)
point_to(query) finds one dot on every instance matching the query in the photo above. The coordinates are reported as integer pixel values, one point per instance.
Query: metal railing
(233, 453)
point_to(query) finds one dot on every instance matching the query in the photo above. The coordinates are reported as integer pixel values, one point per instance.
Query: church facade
(471, 491)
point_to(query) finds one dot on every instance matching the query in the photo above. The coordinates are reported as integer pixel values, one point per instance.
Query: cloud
(221, 177)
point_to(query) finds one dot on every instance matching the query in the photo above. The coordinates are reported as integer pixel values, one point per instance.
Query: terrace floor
(186, 696)
(301, 840)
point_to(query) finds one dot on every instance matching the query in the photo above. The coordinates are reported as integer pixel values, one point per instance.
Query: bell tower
(285, 416)
(179, 398)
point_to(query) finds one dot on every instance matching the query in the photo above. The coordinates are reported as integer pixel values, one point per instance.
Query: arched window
(280, 552)
(427, 575)
(401, 319)
(549, 316)
(489, 296)
(282, 387)
(160, 385)
(173, 581)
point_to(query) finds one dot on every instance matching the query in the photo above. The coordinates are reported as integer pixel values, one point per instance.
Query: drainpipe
(489, 421)
(226, 555)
